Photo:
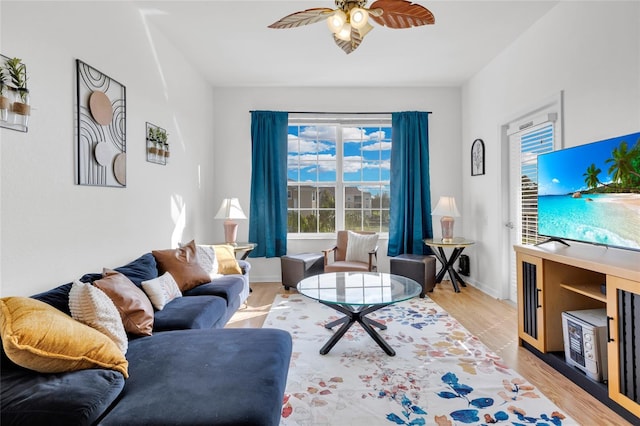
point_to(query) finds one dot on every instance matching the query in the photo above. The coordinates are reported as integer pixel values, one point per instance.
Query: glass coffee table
(357, 294)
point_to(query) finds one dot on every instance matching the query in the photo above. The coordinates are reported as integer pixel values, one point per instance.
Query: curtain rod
(343, 113)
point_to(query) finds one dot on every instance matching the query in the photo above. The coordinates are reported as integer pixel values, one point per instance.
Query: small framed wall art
(157, 144)
(477, 157)
(14, 95)
(101, 152)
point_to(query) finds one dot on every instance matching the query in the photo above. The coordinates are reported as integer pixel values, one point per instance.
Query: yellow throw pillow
(227, 263)
(39, 337)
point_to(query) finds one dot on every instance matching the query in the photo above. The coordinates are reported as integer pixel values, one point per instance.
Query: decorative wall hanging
(14, 95)
(101, 156)
(157, 145)
(477, 158)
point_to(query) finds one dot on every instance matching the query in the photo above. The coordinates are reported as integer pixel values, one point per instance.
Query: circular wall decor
(120, 168)
(102, 153)
(100, 107)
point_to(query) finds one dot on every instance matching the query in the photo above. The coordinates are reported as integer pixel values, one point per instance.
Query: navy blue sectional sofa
(190, 371)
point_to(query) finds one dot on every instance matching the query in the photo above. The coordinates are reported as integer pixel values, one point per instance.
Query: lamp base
(230, 231)
(446, 222)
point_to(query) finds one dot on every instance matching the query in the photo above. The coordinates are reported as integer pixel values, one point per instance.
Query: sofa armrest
(245, 266)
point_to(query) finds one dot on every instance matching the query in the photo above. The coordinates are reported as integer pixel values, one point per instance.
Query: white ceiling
(230, 43)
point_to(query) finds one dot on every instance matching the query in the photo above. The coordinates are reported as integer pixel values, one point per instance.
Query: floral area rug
(441, 374)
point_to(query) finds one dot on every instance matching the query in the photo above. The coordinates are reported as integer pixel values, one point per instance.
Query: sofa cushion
(142, 269)
(185, 313)
(232, 377)
(134, 306)
(39, 337)
(161, 290)
(72, 398)
(228, 286)
(182, 263)
(91, 306)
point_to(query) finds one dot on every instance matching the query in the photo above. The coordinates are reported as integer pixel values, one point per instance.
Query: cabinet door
(530, 300)
(623, 318)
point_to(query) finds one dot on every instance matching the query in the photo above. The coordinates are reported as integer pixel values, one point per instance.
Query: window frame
(340, 121)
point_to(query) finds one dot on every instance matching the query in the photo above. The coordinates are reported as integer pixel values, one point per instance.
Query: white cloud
(383, 146)
(555, 180)
(297, 144)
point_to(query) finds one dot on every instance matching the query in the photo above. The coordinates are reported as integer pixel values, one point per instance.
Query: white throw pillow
(359, 246)
(91, 306)
(161, 290)
(206, 256)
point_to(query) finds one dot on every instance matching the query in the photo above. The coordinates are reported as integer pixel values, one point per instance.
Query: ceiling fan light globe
(358, 17)
(336, 21)
(345, 32)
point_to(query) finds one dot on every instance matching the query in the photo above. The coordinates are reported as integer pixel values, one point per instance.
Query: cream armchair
(354, 251)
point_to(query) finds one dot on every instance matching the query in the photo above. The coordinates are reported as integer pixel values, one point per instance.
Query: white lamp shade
(230, 209)
(446, 207)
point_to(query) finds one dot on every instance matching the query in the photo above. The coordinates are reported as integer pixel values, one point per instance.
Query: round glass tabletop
(359, 288)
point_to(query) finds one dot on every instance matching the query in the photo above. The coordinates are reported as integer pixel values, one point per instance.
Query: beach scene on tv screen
(592, 192)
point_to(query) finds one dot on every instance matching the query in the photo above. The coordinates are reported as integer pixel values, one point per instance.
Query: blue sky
(312, 151)
(561, 172)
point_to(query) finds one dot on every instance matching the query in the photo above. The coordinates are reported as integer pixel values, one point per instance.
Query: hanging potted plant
(5, 104)
(151, 144)
(162, 137)
(18, 74)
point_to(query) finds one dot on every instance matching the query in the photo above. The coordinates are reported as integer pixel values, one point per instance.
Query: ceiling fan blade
(354, 43)
(401, 14)
(305, 17)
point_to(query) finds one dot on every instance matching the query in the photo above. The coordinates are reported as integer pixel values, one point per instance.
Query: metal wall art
(157, 145)
(101, 157)
(477, 158)
(14, 95)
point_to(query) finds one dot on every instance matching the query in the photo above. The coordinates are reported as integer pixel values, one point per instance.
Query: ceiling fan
(349, 22)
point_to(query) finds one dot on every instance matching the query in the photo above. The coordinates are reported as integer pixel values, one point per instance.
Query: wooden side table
(458, 245)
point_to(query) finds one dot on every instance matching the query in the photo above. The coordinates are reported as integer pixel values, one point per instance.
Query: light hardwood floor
(494, 322)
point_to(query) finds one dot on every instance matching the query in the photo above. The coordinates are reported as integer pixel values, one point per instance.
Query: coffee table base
(356, 314)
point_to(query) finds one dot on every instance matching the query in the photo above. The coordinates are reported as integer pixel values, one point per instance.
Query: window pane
(353, 220)
(308, 221)
(384, 225)
(327, 171)
(327, 221)
(327, 197)
(371, 220)
(307, 196)
(292, 221)
(352, 167)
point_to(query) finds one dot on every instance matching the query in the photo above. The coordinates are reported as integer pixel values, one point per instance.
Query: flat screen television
(591, 193)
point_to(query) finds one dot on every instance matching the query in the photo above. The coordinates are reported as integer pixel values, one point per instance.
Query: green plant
(18, 74)
(3, 81)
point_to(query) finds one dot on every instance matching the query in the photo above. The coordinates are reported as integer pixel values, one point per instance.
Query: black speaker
(463, 265)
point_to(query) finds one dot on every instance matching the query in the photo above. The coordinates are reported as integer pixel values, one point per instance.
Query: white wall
(589, 50)
(54, 230)
(233, 145)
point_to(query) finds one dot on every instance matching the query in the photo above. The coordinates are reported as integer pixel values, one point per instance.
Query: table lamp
(446, 208)
(230, 209)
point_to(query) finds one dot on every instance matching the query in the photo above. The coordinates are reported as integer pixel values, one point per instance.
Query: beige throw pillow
(208, 260)
(161, 290)
(91, 306)
(227, 263)
(359, 246)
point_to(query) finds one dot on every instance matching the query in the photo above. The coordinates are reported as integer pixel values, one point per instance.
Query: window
(338, 175)
(532, 143)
